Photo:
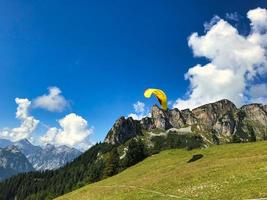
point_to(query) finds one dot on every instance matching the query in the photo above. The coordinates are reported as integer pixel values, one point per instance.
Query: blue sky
(102, 55)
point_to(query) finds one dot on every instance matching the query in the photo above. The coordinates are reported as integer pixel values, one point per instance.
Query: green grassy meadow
(231, 171)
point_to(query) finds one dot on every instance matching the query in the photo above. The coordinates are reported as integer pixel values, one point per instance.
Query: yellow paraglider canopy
(161, 96)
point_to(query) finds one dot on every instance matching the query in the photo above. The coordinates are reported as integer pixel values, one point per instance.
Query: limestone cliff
(218, 122)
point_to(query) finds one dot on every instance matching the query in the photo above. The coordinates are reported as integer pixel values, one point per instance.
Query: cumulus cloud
(258, 18)
(74, 132)
(139, 111)
(53, 101)
(234, 62)
(28, 123)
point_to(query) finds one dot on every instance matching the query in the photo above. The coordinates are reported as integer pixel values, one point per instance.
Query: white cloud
(235, 60)
(140, 111)
(28, 123)
(258, 18)
(53, 101)
(50, 136)
(73, 131)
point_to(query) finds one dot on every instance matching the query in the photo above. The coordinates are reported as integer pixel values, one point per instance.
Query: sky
(69, 69)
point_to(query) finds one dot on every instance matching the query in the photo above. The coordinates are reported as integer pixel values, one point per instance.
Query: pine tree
(112, 164)
(136, 152)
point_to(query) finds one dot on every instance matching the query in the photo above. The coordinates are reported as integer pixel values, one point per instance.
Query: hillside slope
(231, 171)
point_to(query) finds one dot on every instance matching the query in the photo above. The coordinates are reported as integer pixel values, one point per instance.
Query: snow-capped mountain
(46, 158)
(52, 157)
(27, 148)
(13, 161)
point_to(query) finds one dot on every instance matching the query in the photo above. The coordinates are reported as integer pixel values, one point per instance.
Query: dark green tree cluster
(136, 152)
(112, 164)
(174, 140)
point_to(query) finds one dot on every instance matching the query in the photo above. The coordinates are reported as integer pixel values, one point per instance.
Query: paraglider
(160, 95)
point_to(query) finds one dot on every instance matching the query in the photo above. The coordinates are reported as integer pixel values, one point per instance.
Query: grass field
(232, 171)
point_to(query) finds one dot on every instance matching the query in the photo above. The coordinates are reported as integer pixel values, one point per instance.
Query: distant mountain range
(22, 156)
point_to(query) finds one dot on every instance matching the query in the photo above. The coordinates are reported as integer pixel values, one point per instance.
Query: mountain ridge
(215, 120)
(43, 158)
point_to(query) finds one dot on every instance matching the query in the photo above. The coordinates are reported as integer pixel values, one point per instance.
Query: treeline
(174, 140)
(99, 162)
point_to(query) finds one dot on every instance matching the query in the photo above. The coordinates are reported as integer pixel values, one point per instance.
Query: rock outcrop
(122, 130)
(189, 117)
(160, 118)
(255, 112)
(218, 122)
(147, 123)
(251, 123)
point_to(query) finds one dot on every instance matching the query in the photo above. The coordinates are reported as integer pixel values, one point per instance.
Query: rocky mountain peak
(26, 147)
(223, 105)
(166, 119)
(208, 114)
(256, 112)
(123, 129)
(160, 118)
